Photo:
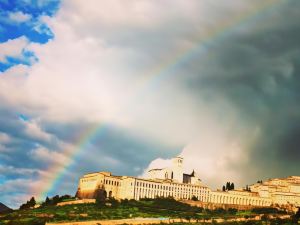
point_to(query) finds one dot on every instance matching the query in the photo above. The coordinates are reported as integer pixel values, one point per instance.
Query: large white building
(174, 173)
(172, 182)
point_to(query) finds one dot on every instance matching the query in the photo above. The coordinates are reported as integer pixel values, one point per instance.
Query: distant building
(172, 182)
(174, 173)
(281, 190)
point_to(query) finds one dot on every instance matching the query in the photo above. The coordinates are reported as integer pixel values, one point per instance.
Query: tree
(232, 186)
(194, 198)
(247, 188)
(55, 199)
(32, 202)
(296, 217)
(47, 201)
(227, 185)
(29, 204)
(232, 211)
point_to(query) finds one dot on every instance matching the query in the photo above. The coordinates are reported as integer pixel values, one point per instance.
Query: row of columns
(237, 200)
(142, 193)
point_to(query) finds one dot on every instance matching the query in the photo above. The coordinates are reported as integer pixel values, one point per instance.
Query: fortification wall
(81, 201)
(212, 206)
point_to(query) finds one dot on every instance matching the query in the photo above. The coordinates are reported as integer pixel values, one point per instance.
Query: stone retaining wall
(81, 201)
(212, 206)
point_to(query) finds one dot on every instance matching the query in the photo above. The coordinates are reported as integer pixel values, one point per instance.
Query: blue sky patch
(23, 117)
(11, 29)
(32, 27)
(27, 58)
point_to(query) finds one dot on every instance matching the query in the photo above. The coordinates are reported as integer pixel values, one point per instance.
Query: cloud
(19, 17)
(218, 81)
(13, 48)
(213, 155)
(33, 129)
(4, 138)
(11, 170)
(18, 191)
(101, 46)
(49, 157)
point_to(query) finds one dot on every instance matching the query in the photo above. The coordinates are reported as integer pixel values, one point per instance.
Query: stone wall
(212, 206)
(81, 201)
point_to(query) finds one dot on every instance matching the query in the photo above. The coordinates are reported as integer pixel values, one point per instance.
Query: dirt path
(134, 221)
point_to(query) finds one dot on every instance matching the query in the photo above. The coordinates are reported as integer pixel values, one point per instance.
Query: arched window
(166, 175)
(172, 175)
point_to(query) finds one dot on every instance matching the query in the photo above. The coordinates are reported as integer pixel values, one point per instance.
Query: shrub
(194, 198)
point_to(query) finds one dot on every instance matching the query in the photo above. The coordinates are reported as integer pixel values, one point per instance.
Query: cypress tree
(31, 202)
(232, 186)
(47, 201)
(227, 185)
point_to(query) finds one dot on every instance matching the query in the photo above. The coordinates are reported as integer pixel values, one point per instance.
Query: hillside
(4, 208)
(114, 210)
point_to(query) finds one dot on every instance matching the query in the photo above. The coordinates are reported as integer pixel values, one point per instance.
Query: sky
(124, 86)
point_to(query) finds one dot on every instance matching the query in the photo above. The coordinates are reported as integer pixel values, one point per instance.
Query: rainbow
(150, 79)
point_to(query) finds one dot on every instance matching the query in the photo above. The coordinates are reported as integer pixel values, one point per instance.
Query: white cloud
(16, 200)
(33, 129)
(50, 157)
(7, 170)
(18, 191)
(214, 155)
(4, 138)
(19, 17)
(90, 70)
(13, 48)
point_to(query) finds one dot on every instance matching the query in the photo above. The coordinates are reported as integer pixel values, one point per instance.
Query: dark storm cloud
(257, 72)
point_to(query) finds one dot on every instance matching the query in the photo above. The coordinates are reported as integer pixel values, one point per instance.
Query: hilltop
(130, 209)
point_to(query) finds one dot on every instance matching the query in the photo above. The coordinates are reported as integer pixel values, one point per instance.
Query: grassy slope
(148, 208)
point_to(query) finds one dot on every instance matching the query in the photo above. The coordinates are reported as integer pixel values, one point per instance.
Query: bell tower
(177, 169)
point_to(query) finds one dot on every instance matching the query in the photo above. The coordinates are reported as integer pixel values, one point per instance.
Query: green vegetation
(270, 222)
(112, 209)
(56, 199)
(229, 186)
(29, 204)
(268, 211)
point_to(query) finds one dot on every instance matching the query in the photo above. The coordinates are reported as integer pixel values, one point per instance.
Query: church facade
(172, 182)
